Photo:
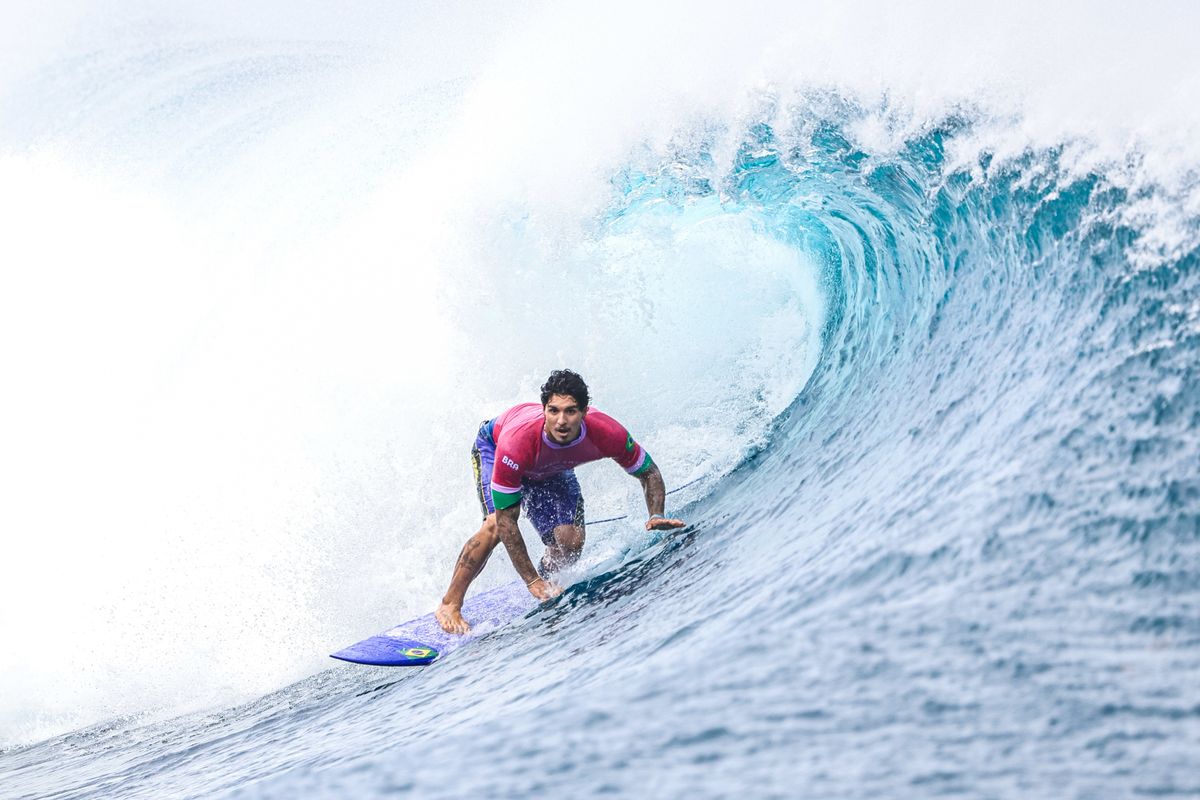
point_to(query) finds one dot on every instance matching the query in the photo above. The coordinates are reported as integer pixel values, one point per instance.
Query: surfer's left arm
(656, 495)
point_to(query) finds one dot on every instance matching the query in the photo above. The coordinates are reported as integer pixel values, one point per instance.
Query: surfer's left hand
(543, 589)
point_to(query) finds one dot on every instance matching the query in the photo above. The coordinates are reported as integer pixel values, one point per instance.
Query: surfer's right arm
(507, 475)
(518, 554)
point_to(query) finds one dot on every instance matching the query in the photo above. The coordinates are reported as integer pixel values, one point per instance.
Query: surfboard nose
(386, 651)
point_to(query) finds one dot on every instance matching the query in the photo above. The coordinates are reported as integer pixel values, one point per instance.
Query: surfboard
(420, 641)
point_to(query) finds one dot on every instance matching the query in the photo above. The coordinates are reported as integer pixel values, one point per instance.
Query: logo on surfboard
(418, 652)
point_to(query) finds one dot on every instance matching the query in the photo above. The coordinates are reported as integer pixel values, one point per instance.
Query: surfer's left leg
(564, 550)
(555, 507)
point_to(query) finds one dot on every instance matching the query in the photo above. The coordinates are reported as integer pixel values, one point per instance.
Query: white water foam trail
(241, 387)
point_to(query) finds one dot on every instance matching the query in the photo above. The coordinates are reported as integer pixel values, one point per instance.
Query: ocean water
(904, 300)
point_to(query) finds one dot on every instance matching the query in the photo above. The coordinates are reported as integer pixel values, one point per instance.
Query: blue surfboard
(421, 640)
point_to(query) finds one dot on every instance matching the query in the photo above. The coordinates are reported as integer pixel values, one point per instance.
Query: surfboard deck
(419, 641)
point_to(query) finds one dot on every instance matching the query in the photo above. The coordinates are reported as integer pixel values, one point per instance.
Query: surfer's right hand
(543, 589)
(451, 619)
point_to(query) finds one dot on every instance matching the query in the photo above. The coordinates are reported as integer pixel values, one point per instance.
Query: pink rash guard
(524, 451)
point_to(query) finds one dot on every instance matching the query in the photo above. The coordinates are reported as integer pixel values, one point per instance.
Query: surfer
(525, 458)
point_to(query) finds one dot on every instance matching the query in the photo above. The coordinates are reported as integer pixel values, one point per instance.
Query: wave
(916, 342)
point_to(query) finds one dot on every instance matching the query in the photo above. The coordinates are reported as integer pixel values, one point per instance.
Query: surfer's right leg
(477, 549)
(474, 555)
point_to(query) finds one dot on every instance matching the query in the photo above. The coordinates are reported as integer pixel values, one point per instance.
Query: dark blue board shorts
(555, 501)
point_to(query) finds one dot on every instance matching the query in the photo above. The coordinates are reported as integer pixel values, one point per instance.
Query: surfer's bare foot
(451, 619)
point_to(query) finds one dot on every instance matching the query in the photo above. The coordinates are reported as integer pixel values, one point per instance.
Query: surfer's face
(564, 418)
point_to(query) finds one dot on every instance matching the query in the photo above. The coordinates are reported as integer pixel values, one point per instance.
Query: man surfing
(526, 458)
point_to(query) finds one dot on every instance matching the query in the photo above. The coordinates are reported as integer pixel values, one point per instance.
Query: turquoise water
(943, 403)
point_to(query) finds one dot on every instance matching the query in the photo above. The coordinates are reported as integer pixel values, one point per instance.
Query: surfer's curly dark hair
(564, 381)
